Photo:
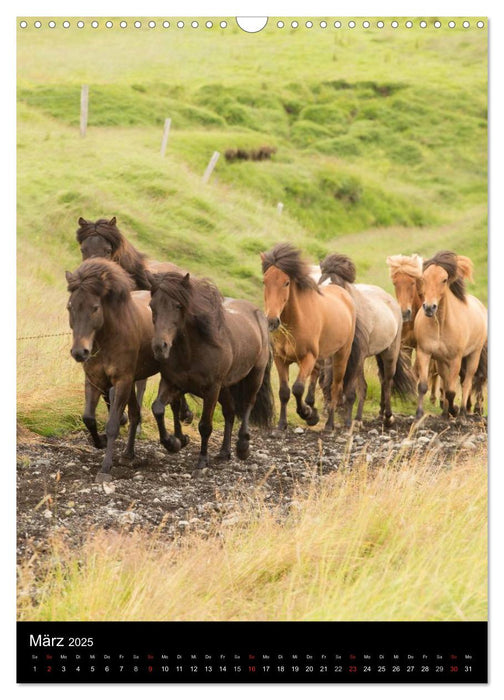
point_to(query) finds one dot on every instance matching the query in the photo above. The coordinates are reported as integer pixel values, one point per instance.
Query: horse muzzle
(161, 349)
(406, 315)
(273, 323)
(430, 309)
(80, 354)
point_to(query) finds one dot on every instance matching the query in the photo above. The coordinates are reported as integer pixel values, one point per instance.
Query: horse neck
(293, 311)
(447, 306)
(117, 325)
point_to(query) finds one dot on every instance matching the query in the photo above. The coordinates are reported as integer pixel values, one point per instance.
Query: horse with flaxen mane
(379, 322)
(310, 324)
(451, 329)
(112, 338)
(103, 239)
(216, 349)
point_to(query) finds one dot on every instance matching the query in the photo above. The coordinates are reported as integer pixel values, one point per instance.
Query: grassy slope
(381, 148)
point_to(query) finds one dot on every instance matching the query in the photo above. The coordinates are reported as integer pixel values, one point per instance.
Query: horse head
(93, 287)
(276, 295)
(444, 271)
(170, 297)
(406, 275)
(98, 239)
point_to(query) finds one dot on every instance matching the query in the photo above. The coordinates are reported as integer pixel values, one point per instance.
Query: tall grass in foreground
(407, 541)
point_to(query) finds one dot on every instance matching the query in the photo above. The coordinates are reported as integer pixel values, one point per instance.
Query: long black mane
(339, 269)
(448, 261)
(199, 298)
(101, 278)
(288, 259)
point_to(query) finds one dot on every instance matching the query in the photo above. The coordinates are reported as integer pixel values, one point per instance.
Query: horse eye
(286, 284)
(178, 307)
(445, 281)
(95, 308)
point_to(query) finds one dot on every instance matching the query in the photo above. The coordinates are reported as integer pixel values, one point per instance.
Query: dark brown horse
(103, 239)
(112, 337)
(215, 349)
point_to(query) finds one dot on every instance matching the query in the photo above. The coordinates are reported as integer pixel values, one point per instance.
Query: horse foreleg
(186, 415)
(389, 368)
(449, 372)
(433, 380)
(228, 411)
(205, 424)
(283, 392)
(122, 391)
(339, 365)
(134, 418)
(141, 385)
(471, 365)
(310, 394)
(92, 395)
(306, 368)
(422, 365)
(166, 394)
(361, 394)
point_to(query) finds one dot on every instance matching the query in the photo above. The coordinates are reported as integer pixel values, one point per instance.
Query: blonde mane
(406, 264)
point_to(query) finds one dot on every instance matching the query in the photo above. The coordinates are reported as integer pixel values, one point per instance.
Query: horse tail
(404, 381)
(481, 374)
(263, 410)
(354, 364)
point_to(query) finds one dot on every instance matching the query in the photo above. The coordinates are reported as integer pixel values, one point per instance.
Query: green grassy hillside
(380, 138)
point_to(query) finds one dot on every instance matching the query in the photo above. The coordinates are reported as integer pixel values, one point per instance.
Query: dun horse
(103, 239)
(379, 321)
(216, 350)
(451, 328)
(112, 337)
(309, 324)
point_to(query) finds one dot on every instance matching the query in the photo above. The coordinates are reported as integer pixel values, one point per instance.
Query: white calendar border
(315, 8)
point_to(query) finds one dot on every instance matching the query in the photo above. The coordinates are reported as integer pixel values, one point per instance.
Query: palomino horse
(112, 337)
(103, 239)
(379, 320)
(452, 327)
(309, 324)
(216, 350)
(406, 274)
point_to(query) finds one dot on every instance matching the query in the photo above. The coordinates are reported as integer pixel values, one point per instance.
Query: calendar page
(252, 349)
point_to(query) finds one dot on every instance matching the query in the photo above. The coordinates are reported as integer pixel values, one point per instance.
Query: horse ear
(68, 276)
(82, 222)
(420, 286)
(112, 221)
(263, 256)
(185, 281)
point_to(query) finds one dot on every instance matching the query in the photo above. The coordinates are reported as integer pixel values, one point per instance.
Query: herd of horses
(133, 318)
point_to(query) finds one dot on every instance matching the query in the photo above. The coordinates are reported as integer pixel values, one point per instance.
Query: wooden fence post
(280, 207)
(84, 109)
(166, 131)
(211, 165)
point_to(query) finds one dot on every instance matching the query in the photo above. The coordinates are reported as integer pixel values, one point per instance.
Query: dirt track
(57, 491)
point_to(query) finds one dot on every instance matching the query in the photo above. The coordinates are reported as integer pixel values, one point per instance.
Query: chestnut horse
(112, 337)
(451, 327)
(215, 349)
(379, 320)
(309, 324)
(103, 239)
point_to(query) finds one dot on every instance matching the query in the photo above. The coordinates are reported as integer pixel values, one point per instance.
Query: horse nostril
(273, 323)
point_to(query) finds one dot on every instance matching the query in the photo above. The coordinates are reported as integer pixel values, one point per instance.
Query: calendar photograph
(252, 349)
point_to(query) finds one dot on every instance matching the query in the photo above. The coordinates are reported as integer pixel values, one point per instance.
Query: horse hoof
(223, 456)
(313, 418)
(101, 477)
(389, 421)
(454, 411)
(203, 463)
(242, 449)
(187, 417)
(357, 425)
(171, 444)
(184, 440)
(102, 442)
